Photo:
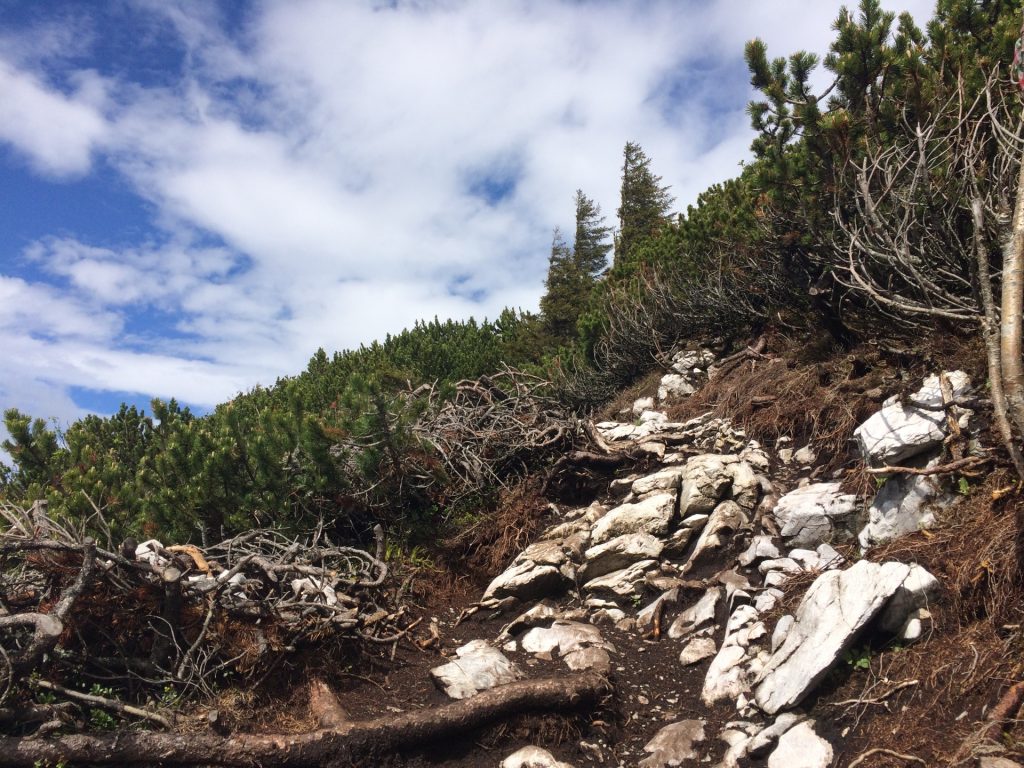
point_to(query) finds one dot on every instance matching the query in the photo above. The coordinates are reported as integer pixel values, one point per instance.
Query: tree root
(341, 742)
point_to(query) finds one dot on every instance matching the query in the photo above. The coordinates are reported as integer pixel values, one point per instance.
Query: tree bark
(342, 744)
(1013, 306)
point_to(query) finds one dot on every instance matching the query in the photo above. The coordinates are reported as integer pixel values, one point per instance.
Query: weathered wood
(344, 742)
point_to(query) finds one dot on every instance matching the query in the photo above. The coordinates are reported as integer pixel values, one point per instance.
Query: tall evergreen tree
(566, 283)
(644, 203)
(592, 245)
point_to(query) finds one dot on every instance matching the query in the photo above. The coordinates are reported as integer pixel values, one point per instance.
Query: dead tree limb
(344, 741)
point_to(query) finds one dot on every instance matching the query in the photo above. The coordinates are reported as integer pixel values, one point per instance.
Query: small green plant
(963, 486)
(100, 719)
(858, 658)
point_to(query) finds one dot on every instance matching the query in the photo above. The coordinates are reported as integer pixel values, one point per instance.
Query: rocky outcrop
(816, 513)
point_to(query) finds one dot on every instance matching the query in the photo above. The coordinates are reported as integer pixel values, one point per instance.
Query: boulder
(651, 515)
(901, 430)
(769, 737)
(478, 666)
(532, 757)
(674, 744)
(904, 504)
(816, 513)
(618, 553)
(727, 677)
(761, 548)
(706, 481)
(581, 646)
(727, 519)
(697, 616)
(837, 606)
(913, 595)
(801, 747)
(643, 404)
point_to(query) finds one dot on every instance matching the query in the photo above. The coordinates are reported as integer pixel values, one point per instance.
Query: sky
(198, 195)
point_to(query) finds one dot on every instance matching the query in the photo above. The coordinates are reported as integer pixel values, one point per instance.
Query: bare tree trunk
(1013, 306)
(345, 743)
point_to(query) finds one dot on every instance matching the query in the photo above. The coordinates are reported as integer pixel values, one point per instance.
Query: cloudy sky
(197, 196)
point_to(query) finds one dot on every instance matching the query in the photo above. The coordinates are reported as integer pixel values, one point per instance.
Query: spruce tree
(644, 205)
(565, 285)
(591, 246)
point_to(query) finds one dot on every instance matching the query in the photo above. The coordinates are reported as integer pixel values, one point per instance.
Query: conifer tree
(565, 285)
(591, 246)
(644, 204)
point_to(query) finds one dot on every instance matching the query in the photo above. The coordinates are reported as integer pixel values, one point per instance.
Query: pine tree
(591, 246)
(644, 205)
(566, 284)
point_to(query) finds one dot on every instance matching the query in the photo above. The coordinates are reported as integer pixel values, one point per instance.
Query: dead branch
(102, 701)
(343, 740)
(970, 462)
(890, 753)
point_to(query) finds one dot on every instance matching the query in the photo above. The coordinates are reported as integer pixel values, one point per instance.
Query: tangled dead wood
(146, 619)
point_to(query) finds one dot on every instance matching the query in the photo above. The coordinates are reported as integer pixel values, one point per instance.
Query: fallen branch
(970, 462)
(1005, 709)
(878, 699)
(104, 703)
(880, 751)
(343, 741)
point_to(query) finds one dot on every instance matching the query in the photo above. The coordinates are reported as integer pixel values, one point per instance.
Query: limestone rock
(643, 404)
(667, 479)
(478, 666)
(801, 747)
(651, 515)
(904, 504)
(674, 744)
(727, 519)
(675, 385)
(769, 737)
(526, 581)
(838, 605)
(698, 615)
(813, 514)
(902, 430)
(914, 594)
(706, 481)
(761, 548)
(619, 553)
(621, 583)
(581, 646)
(697, 650)
(532, 757)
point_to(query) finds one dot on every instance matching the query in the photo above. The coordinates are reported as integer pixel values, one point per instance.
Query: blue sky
(197, 195)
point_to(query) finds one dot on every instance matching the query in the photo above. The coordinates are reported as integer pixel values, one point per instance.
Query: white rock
(526, 581)
(805, 455)
(651, 515)
(769, 737)
(674, 744)
(768, 599)
(727, 519)
(698, 649)
(643, 404)
(904, 504)
(621, 583)
(784, 564)
(532, 757)
(674, 385)
(561, 636)
(653, 417)
(478, 666)
(801, 747)
(835, 609)
(761, 548)
(781, 630)
(810, 515)
(698, 615)
(914, 594)
(786, 455)
(645, 617)
(667, 479)
(620, 552)
(900, 431)
(707, 479)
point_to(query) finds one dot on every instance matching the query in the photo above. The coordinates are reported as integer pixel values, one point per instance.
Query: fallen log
(342, 743)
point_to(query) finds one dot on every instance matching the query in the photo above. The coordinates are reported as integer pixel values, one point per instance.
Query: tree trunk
(1013, 305)
(345, 743)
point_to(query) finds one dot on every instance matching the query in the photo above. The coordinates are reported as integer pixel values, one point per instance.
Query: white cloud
(338, 152)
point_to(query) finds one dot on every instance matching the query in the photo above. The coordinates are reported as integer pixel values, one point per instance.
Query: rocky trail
(726, 595)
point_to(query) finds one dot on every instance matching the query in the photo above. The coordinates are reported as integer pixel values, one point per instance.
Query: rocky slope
(680, 584)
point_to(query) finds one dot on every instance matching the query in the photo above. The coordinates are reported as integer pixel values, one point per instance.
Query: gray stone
(642, 404)
(645, 618)
(651, 515)
(618, 553)
(542, 613)
(902, 430)
(707, 480)
(813, 514)
(477, 667)
(581, 646)
(904, 504)
(674, 744)
(590, 657)
(805, 455)
(785, 564)
(768, 599)
(727, 677)
(532, 757)
(801, 747)
(837, 606)
(913, 595)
